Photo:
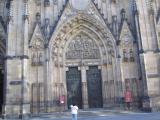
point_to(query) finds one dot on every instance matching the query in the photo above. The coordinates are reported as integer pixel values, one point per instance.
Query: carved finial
(47, 28)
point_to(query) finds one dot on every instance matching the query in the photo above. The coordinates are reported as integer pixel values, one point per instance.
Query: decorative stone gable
(37, 46)
(126, 36)
(37, 38)
(127, 48)
(70, 12)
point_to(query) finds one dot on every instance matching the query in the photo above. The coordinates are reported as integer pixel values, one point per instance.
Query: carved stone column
(84, 87)
(104, 85)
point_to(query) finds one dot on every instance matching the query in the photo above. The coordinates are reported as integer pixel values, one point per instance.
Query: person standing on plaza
(128, 98)
(74, 111)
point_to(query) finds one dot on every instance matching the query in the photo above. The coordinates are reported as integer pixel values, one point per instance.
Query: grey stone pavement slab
(98, 115)
(110, 116)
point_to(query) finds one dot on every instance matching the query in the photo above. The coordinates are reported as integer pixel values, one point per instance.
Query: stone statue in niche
(110, 59)
(37, 59)
(34, 59)
(125, 57)
(47, 28)
(38, 44)
(127, 40)
(40, 59)
(82, 48)
(131, 55)
(38, 17)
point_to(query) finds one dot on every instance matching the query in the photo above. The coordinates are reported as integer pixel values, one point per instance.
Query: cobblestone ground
(99, 115)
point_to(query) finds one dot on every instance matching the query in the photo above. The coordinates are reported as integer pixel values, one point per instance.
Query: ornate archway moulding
(80, 19)
(95, 39)
(60, 47)
(104, 50)
(59, 38)
(37, 40)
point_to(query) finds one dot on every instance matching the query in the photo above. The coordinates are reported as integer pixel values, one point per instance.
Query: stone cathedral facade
(86, 52)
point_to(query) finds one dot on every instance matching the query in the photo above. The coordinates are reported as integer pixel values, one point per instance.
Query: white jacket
(74, 109)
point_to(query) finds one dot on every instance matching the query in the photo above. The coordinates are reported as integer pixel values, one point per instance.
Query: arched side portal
(85, 49)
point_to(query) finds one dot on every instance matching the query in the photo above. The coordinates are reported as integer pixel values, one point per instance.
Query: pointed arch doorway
(83, 86)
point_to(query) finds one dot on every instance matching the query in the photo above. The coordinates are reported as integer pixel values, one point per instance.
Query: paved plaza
(101, 115)
(97, 115)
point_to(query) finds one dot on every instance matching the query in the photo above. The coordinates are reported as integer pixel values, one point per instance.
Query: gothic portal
(87, 52)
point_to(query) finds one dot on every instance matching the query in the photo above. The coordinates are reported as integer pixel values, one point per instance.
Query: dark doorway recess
(94, 87)
(74, 88)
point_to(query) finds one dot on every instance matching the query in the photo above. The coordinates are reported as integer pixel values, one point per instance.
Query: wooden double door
(74, 87)
(94, 86)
